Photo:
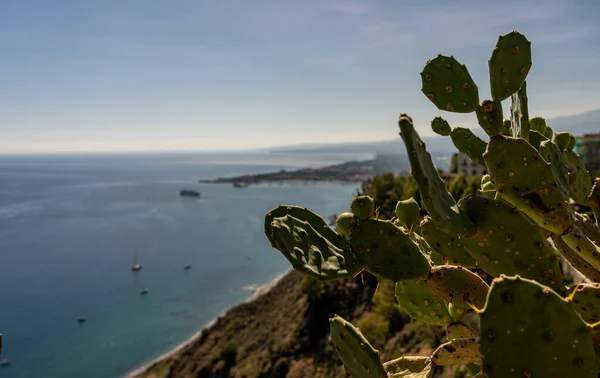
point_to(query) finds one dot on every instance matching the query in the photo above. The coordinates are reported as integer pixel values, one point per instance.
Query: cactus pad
(310, 252)
(469, 144)
(593, 198)
(580, 182)
(586, 300)
(360, 359)
(417, 298)
(522, 317)
(563, 140)
(459, 331)
(553, 155)
(524, 179)
(452, 248)
(538, 124)
(448, 84)
(576, 260)
(410, 367)
(506, 125)
(490, 116)
(458, 285)
(457, 352)
(408, 213)
(456, 313)
(581, 243)
(507, 242)
(362, 207)
(435, 197)
(305, 215)
(509, 65)
(440, 126)
(345, 222)
(387, 252)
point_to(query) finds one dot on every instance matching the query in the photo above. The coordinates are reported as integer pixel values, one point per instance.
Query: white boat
(144, 291)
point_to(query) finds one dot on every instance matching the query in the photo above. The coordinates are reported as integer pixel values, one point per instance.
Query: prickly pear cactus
(523, 228)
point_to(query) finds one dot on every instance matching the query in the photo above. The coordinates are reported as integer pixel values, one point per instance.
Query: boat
(136, 264)
(239, 184)
(189, 193)
(144, 291)
(4, 363)
(187, 266)
(81, 319)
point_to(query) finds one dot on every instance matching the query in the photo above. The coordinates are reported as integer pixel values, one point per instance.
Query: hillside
(284, 332)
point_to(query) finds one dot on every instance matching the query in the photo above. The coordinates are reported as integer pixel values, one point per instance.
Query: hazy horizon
(113, 76)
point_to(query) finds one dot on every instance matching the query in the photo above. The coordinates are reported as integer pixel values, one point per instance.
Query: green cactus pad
(408, 213)
(490, 117)
(458, 285)
(509, 65)
(577, 261)
(440, 126)
(452, 248)
(572, 144)
(459, 331)
(448, 84)
(586, 300)
(507, 242)
(593, 198)
(432, 256)
(581, 243)
(387, 252)
(563, 140)
(538, 124)
(506, 125)
(580, 182)
(589, 227)
(360, 359)
(457, 352)
(418, 300)
(410, 367)
(525, 127)
(362, 207)
(524, 179)
(469, 144)
(311, 253)
(527, 330)
(436, 199)
(305, 215)
(549, 132)
(345, 222)
(553, 155)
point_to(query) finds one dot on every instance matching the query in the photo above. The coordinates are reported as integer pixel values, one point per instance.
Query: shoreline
(260, 291)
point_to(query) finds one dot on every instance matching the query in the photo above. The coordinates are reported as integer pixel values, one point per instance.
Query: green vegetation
(520, 225)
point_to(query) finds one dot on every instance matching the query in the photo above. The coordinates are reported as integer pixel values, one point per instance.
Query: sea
(72, 226)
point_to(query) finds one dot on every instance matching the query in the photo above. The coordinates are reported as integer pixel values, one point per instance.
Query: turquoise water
(72, 226)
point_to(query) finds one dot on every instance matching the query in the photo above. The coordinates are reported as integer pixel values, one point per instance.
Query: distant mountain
(588, 122)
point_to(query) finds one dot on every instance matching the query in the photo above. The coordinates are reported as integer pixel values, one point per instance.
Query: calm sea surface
(71, 227)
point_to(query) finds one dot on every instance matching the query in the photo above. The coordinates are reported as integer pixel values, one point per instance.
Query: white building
(469, 167)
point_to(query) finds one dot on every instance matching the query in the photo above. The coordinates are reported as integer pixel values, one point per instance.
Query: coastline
(260, 291)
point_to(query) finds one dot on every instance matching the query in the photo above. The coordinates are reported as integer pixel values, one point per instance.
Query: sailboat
(136, 265)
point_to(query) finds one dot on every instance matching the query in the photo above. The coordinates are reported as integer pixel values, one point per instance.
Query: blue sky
(131, 75)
